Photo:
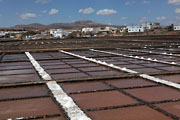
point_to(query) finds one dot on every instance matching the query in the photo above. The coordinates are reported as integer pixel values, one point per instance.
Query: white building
(151, 25)
(135, 29)
(111, 29)
(85, 30)
(58, 33)
(2, 34)
(177, 27)
(123, 29)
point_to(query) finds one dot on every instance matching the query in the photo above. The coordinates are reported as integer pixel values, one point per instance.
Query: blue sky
(116, 12)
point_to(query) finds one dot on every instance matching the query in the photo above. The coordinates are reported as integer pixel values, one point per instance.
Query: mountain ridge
(73, 25)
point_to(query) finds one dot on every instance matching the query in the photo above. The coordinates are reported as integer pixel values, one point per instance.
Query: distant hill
(73, 25)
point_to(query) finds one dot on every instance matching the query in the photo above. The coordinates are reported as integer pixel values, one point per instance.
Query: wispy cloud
(53, 11)
(42, 1)
(174, 2)
(161, 18)
(106, 12)
(25, 16)
(86, 11)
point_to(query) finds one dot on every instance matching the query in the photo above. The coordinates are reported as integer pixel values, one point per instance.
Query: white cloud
(161, 18)
(177, 11)
(86, 11)
(25, 16)
(42, 1)
(146, 2)
(174, 2)
(128, 3)
(106, 12)
(124, 18)
(143, 19)
(53, 11)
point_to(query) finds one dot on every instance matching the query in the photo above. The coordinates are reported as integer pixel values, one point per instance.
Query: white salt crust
(145, 76)
(136, 57)
(100, 62)
(165, 82)
(67, 103)
(38, 68)
(168, 54)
